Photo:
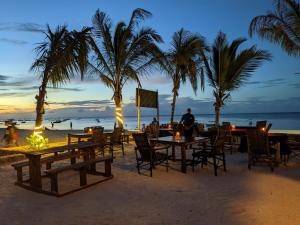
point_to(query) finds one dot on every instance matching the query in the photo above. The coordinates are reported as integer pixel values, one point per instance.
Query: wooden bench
(46, 160)
(83, 168)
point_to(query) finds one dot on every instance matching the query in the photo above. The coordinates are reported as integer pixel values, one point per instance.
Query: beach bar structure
(146, 99)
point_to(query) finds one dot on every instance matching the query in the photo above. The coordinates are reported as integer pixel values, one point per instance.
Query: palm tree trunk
(119, 113)
(173, 106)
(40, 111)
(176, 84)
(217, 119)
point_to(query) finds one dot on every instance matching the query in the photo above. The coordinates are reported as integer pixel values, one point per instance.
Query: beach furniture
(183, 143)
(50, 156)
(147, 156)
(259, 150)
(116, 140)
(79, 137)
(261, 124)
(212, 154)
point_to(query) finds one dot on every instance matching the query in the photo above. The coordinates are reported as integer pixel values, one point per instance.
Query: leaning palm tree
(58, 58)
(122, 54)
(282, 26)
(227, 69)
(184, 62)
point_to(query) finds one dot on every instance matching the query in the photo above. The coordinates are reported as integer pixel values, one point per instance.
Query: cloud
(91, 104)
(296, 85)
(29, 88)
(268, 83)
(3, 77)
(14, 94)
(155, 80)
(13, 41)
(23, 27)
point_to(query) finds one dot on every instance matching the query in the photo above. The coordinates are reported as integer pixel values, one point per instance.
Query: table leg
(69, 139)
(73, 159)
(173, 153)
(93, 156)
(183, 159)
(35, 177)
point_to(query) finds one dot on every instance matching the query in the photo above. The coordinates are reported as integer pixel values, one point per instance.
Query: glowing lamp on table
(177, 135)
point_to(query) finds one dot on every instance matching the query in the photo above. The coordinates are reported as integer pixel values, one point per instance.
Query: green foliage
(36, 143)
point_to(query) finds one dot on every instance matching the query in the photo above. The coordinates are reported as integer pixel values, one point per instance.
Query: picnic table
(183, 143)
(70, 151)
(81, 136)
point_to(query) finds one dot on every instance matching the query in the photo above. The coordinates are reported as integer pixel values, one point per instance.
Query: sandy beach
(237, 197)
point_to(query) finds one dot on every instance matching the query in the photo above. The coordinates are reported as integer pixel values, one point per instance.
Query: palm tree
(123, 54)
(282, 26)
(227, 69)
(61, 55)
(183, 61)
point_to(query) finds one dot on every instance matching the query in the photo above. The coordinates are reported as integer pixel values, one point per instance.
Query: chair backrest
(200, 126)
(177, 127)
(226, 124)
(117, 135)
(154, 130)
(143, 146)
(98, 136)
(258, 142)
(261, 124)
(220, 138)
(268, 127)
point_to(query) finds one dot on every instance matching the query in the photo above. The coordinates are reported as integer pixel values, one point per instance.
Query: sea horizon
(279, 120)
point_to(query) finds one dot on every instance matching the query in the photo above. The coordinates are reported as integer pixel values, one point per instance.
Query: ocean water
(280, 121)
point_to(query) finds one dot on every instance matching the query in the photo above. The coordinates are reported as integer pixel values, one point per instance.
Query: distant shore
(62, 135)
(52, 135)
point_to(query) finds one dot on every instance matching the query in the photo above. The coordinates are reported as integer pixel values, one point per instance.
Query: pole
(157, 107)
(139, 108)
(157, 102)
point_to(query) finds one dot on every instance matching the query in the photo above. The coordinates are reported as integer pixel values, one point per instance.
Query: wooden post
(35, 177)
(139, 108)
(157, 102)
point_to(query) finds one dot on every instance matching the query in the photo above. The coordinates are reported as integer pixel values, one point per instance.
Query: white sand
(237, 197)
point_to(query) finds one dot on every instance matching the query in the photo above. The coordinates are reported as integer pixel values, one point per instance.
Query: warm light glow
(90, 131)
(232, 126)
(177, 136)
(119, 115)
(263, 129)
(37, 131)
(169, 126)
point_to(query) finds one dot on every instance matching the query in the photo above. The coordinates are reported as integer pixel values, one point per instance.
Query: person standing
(71, 125)
(188, 121)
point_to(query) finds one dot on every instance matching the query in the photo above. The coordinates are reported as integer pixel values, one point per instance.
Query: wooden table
(183, 143)
(78, 136)
(35, 173)
(163, 132)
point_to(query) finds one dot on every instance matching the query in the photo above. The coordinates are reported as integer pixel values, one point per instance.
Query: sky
(274, 87)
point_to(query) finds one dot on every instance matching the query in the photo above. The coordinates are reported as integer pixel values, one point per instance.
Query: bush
(36, 142)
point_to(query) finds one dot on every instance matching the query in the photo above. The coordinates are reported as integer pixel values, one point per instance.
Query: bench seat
(83, 168)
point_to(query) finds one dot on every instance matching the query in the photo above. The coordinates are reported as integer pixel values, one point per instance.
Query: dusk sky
(275, 87)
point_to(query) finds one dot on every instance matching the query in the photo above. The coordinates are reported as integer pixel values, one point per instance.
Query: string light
(119, 115)
(37, 131)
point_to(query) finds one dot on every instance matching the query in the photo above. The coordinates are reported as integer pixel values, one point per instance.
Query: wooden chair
(116, 140)
(215, 151)
(261, 124)
(230, 142)
(259, 149)
(148, 156)
(99, 137)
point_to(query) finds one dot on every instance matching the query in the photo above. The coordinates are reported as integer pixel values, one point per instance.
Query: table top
(80, 145)
(80, 135)
(181, 140)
